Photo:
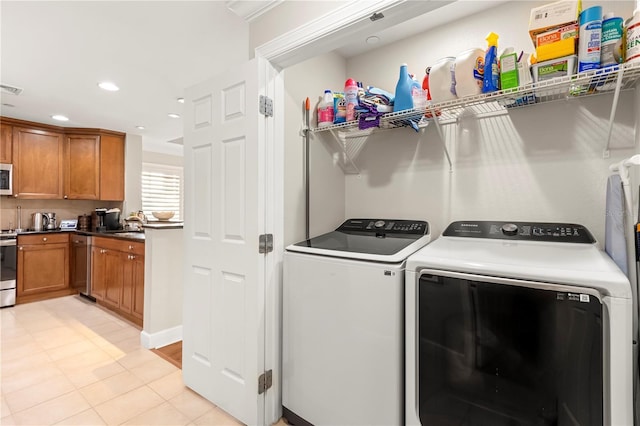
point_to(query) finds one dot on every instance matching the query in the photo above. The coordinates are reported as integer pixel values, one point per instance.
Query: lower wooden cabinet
(43, 266)
(117, 276)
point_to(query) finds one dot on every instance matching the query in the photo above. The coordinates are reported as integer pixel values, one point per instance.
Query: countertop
(163, 224)
(125, 235)
(121, 234)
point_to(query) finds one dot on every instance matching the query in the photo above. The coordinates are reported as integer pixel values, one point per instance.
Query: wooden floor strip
(171, 353)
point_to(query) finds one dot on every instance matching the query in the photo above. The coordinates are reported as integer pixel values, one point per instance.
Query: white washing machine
(343, 323)
(517, 324)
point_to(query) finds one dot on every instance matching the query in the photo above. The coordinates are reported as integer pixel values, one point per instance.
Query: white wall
(132, 173)
(160, 158)
(327, 183)
(539, 163)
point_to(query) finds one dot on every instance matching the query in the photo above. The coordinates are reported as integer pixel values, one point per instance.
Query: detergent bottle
(403, 99)
(491, 79)
(351, 98)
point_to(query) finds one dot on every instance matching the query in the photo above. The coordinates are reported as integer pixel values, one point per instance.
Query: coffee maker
(49, 221)
(100, 213)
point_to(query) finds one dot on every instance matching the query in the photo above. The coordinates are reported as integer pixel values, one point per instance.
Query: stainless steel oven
(6, 179)
(8, 268)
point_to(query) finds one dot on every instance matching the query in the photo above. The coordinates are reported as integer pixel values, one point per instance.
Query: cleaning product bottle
(425, 83)
(611, 48)
(633, 37)
(491, 79)
(403, 99)
(589, 39)
(351, 98)
(325, 109)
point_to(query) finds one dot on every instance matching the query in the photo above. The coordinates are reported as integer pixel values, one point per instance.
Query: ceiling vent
(10, 89)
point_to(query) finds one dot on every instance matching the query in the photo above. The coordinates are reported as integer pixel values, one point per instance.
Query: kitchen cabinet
(111, 167)
(132, 300)
(117, 276)
(37, 163)
(82, 167)
(43, 266)
(6, 143)
(53, 162)
(94, 167)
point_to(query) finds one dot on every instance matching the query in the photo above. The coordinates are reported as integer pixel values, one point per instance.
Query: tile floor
(66, 361)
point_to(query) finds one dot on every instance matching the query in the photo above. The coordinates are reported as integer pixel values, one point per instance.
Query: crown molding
(337, 27)
(250, 10)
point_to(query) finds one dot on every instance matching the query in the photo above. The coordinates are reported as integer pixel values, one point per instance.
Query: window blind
(162, 189)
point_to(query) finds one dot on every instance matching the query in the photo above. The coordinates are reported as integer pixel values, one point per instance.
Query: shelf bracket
(439, 129)
(614, 107)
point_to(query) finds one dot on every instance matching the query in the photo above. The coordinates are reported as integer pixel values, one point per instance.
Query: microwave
(6, 179)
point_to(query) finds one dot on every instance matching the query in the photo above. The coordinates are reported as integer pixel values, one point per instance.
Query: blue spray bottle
(491, 79)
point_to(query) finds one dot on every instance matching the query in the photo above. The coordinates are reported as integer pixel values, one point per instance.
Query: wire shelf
(351, 140)
(590, 83)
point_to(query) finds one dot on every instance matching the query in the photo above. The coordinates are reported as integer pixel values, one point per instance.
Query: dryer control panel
(391, 226)
(521, 231)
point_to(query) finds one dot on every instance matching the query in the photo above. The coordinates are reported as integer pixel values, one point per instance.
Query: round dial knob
(509, 229)
(379, 223)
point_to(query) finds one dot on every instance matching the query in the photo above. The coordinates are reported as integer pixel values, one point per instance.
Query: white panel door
(224, 296)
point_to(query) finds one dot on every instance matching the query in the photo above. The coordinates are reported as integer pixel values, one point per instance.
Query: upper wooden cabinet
(55, 162)
(82, 167)
(111, 167)
(6, 138)
(37, 163)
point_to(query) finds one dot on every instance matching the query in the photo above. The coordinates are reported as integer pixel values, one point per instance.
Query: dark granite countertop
(121, 234)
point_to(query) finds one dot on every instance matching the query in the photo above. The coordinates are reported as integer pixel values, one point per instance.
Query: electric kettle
(38, 221)
(49, 221)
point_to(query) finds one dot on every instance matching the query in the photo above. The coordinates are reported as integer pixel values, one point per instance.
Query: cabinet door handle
(44, 239)
(133, 257)
(15, 195)
(66, 197)
(20, 248)
(130, 247)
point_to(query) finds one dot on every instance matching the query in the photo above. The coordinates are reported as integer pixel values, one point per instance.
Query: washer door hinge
(265, 380)
(265, 243)
(266, 106)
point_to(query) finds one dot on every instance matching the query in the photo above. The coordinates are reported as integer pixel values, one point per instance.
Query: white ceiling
(58, 51)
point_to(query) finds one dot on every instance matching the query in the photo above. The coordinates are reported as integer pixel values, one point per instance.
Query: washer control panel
(521, 231)
(391, 226)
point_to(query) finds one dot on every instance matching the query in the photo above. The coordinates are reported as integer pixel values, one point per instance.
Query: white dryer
(517, 324)
(343, 323)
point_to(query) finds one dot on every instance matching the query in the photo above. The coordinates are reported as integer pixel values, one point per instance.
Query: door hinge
(265, 381)
(266, 106)
(265, 243)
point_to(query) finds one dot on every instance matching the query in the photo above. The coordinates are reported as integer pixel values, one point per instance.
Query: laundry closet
(544, 162)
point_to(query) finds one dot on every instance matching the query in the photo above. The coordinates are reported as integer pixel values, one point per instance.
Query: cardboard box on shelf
(557, 34)
(552, 16)
(557, 49)
(559, 67)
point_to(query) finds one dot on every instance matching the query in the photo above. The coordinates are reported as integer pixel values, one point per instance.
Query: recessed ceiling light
(372, 39)
(172, 115)
(180, 100)
(107, 85)
(140, 127)
(60, 117)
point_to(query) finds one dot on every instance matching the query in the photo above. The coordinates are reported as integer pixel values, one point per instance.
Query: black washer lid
(369, 236)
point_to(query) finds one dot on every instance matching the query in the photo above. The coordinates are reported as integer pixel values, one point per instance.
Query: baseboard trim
(161, 338)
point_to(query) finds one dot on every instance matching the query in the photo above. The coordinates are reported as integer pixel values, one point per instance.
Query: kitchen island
(162, 323)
